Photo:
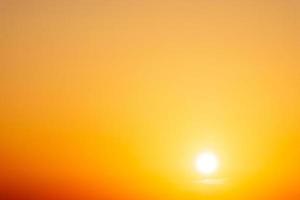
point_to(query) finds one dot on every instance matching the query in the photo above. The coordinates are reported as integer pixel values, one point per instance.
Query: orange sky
(117, 98)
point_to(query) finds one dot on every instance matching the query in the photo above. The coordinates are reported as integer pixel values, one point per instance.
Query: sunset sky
(116, 99)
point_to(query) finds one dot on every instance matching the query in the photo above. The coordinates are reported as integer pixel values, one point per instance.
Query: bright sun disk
(207, 163)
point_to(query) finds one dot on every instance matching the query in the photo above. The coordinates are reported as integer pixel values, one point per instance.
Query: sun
(207, 163)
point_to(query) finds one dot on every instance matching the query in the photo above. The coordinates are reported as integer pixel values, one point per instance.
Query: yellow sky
(125, 94)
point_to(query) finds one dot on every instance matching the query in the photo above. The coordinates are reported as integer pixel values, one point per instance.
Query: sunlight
(207, 163)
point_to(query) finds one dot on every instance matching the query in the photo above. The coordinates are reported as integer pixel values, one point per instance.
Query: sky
(115, 99)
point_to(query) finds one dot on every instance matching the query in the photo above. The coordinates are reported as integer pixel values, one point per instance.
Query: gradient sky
(117, 98)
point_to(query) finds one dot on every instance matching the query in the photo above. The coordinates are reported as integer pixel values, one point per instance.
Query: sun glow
(207, 163)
